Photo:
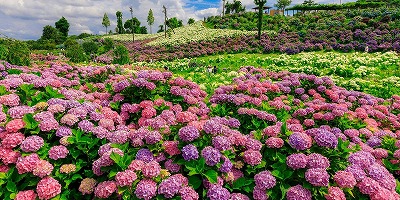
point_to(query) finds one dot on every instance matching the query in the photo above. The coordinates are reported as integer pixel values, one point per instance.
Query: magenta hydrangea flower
(151, 169)
(27, 163)
(105, 189)
(259, 194)
(171, 147)
(221, 143)
(58, 152)
(264, 180)
(48, 188)
(368, 186)
(316, 160)
(218, 193)
(43, 168)
(274, 143)
(26, 195)
(252, 157)
(345, 179)
(239, 196)
(12, 140)
(317, 177)
(169, 187)
(298, 192)
(335, 193)
(125, 178)
(32, 143)
(146, 189)
(297, 161)
(188, 193)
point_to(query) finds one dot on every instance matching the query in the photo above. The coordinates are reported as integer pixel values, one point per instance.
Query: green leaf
(211, 175)
(3, 90)
(11, 187)
(116, 158)
(200, 165)
(195, 181)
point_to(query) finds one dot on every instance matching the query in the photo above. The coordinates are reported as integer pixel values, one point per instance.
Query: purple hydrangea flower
(326, 138)
(218, 193)
(297, 161)
(211, 155)
(300, 141)
(298, 192)
(317, 177)
(144, 155)
(190, 152)
(188, 133)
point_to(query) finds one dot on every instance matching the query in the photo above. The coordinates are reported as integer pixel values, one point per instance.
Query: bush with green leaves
(90, 47)
(121, 55)
(3, 52)
(18, 53)
(76, 54)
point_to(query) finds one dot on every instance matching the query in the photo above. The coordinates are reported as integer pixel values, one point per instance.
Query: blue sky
(25, 19)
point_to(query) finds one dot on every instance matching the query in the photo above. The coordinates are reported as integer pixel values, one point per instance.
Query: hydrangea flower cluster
(94, 132)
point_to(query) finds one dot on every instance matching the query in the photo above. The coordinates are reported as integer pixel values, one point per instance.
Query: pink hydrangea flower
(48, 188)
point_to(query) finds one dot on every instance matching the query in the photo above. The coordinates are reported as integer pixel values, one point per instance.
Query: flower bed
(84, 132)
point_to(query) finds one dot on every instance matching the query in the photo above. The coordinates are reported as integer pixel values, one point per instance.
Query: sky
(25, 19)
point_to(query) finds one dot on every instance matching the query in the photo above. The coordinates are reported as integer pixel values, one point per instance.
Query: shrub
(108, 44)
(90, 47)
(18, 53)
(70, 42)
(121, 55)
(3, 52)
(76, 54)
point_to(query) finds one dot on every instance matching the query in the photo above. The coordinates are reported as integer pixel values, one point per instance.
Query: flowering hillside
(112, 133)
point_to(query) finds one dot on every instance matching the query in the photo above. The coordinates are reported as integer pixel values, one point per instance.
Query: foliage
(191, 21)
(18, 53)
(282, 4)
(90, 47)
(150, 19)
(106, 21)
(76, 53)
(3, 51)
(62, 25)
(174, 23)
(108, 44)
(234, 7)
(70, 42)
(121, 55)
(136, 26)
(120, 28)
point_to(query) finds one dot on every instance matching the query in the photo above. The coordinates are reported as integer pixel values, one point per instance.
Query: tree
(136, 25)
(150, 19)
(49, 33)
(235, 7)
(160, 28)
(63, 26)
(174, 23)
(260, 4)
(309, 2)
(120, 27)
(191, 21)
(282, 4)
(106, 21)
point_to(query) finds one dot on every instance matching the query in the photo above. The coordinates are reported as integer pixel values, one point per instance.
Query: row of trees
(133, 25)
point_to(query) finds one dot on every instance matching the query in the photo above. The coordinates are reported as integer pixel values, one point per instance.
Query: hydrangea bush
(105, 133)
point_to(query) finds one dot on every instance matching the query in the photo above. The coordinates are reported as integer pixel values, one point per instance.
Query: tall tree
(63, 26)
(150, 19)
(282, 4)
(260, 4)
(106, 21)
(120, 27)
(235, 7)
